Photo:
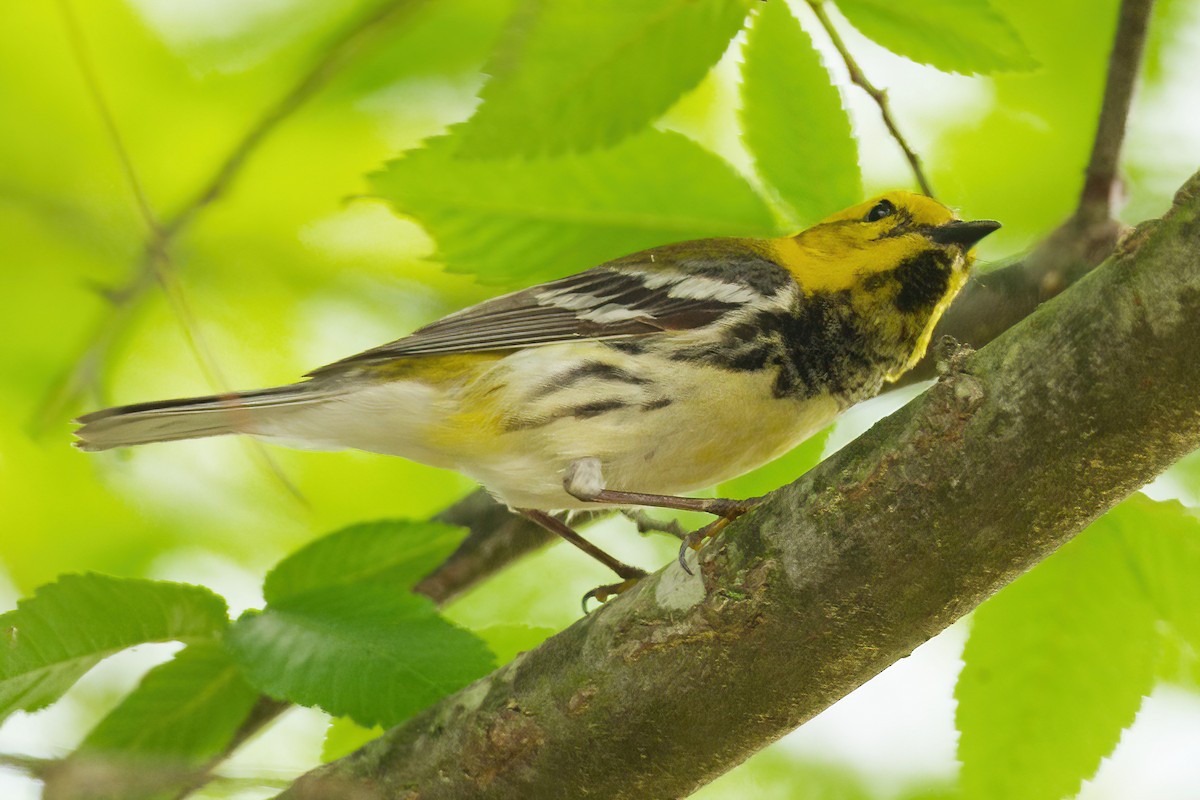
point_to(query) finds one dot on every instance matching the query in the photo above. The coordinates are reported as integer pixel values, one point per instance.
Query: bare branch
(497, 538)
(843, 572)
(878, 95)
(1124, 65)
(79, 48)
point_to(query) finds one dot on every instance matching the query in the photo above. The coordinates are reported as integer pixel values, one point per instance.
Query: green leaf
(366, 651)
(396, 553)
(793, 120)
(69, 626)
(443, 38)
(1179, 663)
(1164, 540)
(572, 75)
(966, 36)
(525, 221)
(181, 715)
(344, 736)
(780, 472)
(1055, 668)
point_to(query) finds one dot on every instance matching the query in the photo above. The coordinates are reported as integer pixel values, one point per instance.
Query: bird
(635, 382)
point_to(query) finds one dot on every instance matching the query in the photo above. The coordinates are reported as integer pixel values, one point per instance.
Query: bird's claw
(602, 593)
(695, 540)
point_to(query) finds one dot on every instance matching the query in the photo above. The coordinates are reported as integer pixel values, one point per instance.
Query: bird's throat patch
(924, 281)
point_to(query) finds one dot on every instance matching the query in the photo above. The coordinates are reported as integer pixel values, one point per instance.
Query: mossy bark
(1016, 449)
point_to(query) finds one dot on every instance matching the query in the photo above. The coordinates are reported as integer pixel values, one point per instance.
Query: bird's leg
(629, 575)
(584, 480)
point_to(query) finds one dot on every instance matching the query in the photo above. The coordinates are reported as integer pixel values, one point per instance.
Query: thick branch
(846, 570)
(497, 538)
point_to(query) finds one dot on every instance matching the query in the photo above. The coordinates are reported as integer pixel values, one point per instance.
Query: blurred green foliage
(292, 265)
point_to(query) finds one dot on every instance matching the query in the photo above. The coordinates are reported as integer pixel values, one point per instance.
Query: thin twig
(79, 49)
(158, 260)
(1124, 65)
(88, 365)
(28, 764)
(878, 95)
(98, 775)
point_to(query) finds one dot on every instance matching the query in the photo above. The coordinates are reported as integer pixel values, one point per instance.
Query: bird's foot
(603, 593)
(729, 511)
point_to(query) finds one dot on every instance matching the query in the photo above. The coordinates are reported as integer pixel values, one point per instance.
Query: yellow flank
(840, 250)
(475, 419)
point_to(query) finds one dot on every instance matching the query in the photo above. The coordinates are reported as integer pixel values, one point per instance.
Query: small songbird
(645, 378)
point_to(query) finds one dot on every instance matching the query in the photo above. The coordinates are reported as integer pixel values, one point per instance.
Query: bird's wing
(670, 288)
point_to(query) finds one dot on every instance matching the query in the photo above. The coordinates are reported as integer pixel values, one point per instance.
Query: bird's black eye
(883, 208)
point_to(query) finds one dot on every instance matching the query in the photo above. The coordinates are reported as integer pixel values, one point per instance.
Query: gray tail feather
(189, 417)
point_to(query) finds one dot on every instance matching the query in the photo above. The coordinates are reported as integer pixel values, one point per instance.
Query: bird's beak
(964, 234)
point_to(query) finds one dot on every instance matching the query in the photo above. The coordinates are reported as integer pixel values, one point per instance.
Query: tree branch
(497, 538)
(878, 95)
(1124, 65)
(843, 572)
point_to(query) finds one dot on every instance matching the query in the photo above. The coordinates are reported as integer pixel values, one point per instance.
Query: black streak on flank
(632, 347)
(589, 410)
(924, 279)
(597, 370)
(654, 405)
(585, 411)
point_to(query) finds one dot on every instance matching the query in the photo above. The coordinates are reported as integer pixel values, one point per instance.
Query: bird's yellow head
(892, 233)
(900, 258)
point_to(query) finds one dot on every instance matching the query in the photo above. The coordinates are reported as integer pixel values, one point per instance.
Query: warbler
(634, 382)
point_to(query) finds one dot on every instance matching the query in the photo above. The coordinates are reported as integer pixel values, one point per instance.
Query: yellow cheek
(816, 271)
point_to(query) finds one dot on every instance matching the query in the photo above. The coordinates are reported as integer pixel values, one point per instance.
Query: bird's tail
(195, 417)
